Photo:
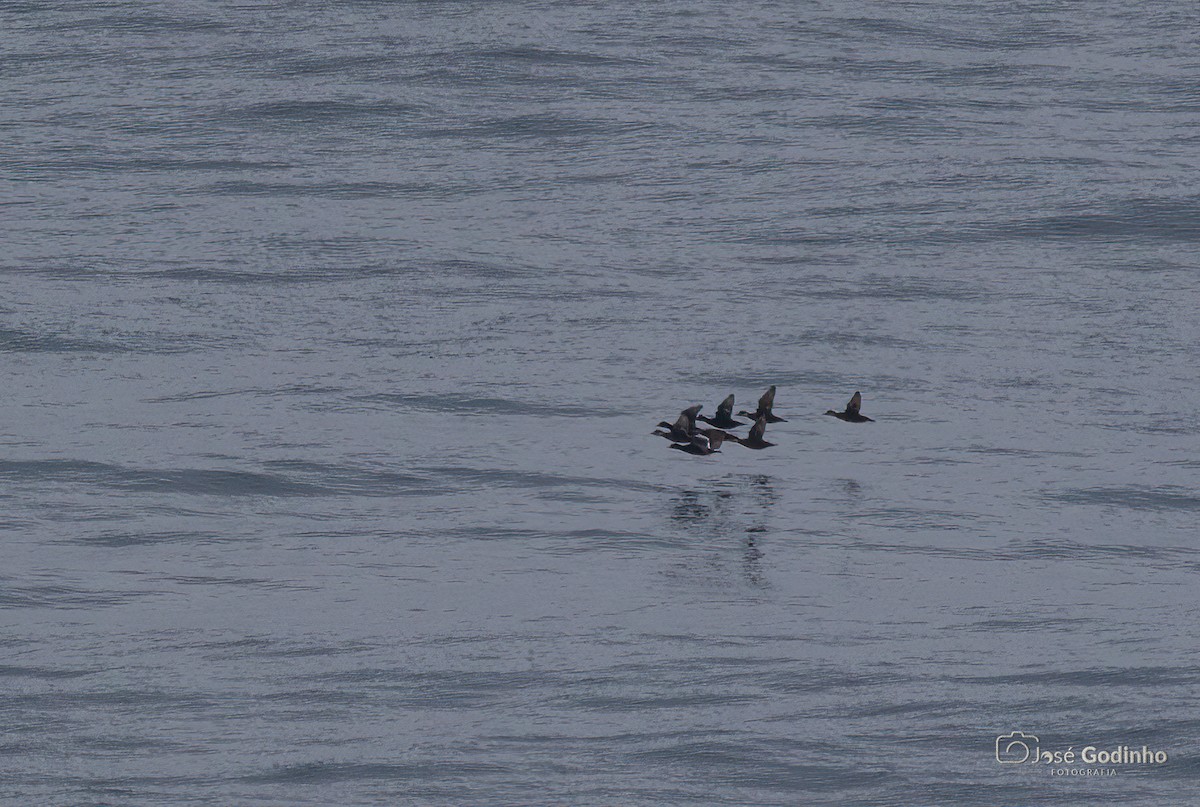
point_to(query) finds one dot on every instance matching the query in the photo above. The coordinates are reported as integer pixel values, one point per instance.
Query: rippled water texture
(333, 337)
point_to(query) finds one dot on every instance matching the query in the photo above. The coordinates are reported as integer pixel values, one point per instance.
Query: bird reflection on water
(752, 558)
(688, 507)
(762, 486)
(730, 506)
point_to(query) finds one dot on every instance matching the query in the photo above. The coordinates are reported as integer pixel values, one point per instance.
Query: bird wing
(690, 413)
(725, 409)
(701, 441)
(715, 437)
(855, 404)
(758, 429)
(767, 400)
(683, 423)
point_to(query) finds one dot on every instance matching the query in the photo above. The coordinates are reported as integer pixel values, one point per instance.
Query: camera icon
(1014, 747)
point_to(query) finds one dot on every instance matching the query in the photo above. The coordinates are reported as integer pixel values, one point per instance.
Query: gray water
(333, 335)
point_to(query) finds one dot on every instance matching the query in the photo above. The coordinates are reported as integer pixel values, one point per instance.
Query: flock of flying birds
(685, 436)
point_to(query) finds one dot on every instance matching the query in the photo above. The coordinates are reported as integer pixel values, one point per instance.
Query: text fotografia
(1018, 747)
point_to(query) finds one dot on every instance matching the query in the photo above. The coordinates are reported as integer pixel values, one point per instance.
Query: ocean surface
(333, 334)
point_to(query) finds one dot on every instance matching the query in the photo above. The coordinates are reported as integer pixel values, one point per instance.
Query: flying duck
(715, 436)
(724, 418)
(755, 438)
(764, 408)
(683, 428)
(851, 414)
(700, 446)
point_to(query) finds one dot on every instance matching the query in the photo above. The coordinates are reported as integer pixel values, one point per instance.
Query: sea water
(333, 334)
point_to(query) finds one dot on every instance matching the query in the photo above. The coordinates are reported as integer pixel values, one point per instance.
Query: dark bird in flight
(755, 438)
(700, 445)
(715, 436)
(765, 403)
(683, 428)
(851, 414)
(724, 418)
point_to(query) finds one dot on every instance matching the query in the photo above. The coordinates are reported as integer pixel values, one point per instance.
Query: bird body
(683, 428)
(715, 436)
(852, 414)
(765, 404)
(724, 418)
(700, 446)
(755, 438)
